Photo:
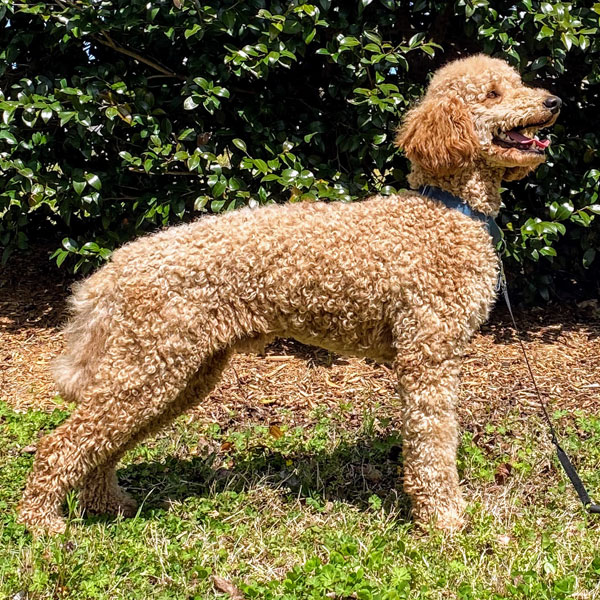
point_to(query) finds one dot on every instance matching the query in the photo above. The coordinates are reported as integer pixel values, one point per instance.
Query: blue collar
(460, 205)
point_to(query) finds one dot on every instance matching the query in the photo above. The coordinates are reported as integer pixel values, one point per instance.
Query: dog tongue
(515, 136)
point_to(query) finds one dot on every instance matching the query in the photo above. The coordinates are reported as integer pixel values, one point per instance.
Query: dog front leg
(430, 440)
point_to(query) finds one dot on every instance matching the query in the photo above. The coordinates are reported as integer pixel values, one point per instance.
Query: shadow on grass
(352, 473)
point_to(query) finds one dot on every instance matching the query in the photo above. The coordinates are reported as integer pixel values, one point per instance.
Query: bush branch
(108, 41)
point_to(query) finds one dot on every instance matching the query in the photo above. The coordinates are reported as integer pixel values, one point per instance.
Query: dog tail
(85, 336)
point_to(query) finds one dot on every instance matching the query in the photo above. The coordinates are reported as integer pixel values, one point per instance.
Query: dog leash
(457, 203)
(563, 458)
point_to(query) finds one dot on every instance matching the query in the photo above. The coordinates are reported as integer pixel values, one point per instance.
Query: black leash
(457, 203)
(562, 455)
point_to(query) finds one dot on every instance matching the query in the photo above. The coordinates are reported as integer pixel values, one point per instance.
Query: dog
(404, 279)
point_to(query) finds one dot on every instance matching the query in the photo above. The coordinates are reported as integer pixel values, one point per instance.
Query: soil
(293, 384)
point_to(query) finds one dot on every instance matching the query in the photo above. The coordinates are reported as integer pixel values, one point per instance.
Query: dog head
(478, 108)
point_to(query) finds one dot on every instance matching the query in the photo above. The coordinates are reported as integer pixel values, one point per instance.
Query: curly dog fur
(399, 279)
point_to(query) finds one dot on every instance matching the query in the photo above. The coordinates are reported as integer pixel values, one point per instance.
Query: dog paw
(450, 521)
(446, 516)
(39, 525)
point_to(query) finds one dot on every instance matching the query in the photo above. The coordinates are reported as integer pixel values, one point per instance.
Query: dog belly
(364, 340)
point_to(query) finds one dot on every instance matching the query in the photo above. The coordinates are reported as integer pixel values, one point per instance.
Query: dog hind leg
(93, 439)
(100, 492)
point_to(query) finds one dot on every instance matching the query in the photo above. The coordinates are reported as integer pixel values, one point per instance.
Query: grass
(311, 513)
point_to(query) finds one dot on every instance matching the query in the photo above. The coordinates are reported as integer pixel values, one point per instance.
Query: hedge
(122, 117)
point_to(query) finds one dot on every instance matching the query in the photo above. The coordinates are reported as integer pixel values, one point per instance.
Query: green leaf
(235, 183)
(289, 175)
(111, 112)
(200, 202)
(217, 205)
(270, 177)
(191, 102)
(371, 35)
(93, 180)
(61, 255)
(349, 41)
(8, 136)
(538, 63)
(186, 134)
(202, 82)
(240, 144)
(90, 247)
(306, 178)
(560, 212)
(188, 33)
(79, 186)
(416, 39)
(428, 49)
(588, 257)
(219, 188)
(261, 165)
(221, 92)
(70, 244)
(71, 91)
(65, 117)
(308, 38)
(581, 218)
(193, 162)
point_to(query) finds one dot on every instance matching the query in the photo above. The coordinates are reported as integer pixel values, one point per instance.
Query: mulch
(294, 384)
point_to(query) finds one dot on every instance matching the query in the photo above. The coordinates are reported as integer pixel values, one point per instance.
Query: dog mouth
(523, 138)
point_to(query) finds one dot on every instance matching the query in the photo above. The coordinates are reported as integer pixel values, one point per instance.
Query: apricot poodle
(404, 279)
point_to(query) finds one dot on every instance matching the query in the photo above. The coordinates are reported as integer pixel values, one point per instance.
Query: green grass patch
(292, 513)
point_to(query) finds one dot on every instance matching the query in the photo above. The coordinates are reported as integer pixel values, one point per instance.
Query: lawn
(277, 512)
(285, 483)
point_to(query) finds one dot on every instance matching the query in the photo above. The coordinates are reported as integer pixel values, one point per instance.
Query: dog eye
(493, 94)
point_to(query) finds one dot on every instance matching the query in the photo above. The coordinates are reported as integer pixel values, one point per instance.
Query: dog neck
(478, 185)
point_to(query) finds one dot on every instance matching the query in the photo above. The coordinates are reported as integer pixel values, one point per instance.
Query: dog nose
(553, 103)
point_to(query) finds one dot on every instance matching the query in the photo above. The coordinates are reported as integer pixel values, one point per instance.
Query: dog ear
(514, 173)
(438, 135)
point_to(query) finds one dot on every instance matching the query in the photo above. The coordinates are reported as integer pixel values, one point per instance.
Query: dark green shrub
(120, 117)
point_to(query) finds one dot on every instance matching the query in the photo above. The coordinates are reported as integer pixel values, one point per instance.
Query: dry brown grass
(291, 380)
